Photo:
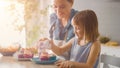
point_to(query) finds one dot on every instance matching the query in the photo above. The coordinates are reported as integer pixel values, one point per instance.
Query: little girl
(84, 47)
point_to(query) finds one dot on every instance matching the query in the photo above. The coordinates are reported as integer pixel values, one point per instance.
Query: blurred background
(108, 13)
(25, 21)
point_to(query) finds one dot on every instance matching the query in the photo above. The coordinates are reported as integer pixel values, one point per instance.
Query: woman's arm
(61, 49)
(94, 54)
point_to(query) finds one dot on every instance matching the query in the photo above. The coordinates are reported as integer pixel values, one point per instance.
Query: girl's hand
(58, 62)
(64, 64)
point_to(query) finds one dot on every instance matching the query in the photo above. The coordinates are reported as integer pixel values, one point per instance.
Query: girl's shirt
(80, 53)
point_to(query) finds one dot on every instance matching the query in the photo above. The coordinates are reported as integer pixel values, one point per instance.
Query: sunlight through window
(12, 25)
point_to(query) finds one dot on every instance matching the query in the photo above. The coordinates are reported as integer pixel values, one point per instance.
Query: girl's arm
(61, 49)
(94, 54)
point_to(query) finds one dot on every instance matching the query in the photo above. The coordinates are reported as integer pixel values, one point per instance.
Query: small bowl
(7, 53)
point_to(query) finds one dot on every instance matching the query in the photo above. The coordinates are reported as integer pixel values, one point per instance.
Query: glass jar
(43, 46)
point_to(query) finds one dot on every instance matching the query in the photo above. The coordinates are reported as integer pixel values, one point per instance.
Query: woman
(60, 21)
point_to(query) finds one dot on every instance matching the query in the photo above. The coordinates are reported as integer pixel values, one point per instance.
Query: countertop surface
(111, 50)
(11, 62)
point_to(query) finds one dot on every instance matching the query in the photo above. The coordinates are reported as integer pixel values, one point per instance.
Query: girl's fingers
(61, 64)
(67, 65)
(64, 64)
(58, 64)
(59, 61)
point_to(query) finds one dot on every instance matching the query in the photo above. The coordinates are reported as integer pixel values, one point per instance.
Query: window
(23, 21)
(12, 23)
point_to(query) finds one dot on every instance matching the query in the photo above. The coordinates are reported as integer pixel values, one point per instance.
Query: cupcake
(44, 56)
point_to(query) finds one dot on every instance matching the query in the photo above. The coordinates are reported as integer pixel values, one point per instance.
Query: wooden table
(11, 62)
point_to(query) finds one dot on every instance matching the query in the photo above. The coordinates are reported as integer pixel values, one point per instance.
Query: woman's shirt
(80, 53)
(57, 31)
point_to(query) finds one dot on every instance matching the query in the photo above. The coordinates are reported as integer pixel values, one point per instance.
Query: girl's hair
(71, 1)
(89, 21)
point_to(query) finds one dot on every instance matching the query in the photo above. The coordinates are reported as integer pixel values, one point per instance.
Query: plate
(38, 61)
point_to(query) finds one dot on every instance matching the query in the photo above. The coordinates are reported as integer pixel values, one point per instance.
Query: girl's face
(79, 31)
(62, 8)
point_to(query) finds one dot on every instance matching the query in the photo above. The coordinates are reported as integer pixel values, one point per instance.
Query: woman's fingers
(51, 41)
(43, 39)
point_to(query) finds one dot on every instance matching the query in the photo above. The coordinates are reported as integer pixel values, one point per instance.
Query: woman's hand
(64, 64)
(43, 43)
(51, 42)
(43, 39)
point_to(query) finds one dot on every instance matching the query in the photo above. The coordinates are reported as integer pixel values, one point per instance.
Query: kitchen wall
(108, 12)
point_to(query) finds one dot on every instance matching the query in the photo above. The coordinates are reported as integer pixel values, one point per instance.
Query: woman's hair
(89, 21)
(71, 1)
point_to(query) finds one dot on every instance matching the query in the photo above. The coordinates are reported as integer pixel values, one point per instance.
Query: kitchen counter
(11, 62)
(110, 50)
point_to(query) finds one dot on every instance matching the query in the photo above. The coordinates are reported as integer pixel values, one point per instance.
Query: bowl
(7, 53)
(9, 50)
